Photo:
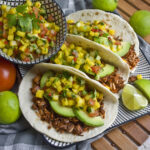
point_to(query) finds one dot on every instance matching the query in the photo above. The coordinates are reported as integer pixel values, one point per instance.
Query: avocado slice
(45, 77)
(90, 121)
(107, 70)
(61, 110)
(124, 50)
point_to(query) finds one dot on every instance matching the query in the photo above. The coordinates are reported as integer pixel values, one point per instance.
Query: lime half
(132, 98)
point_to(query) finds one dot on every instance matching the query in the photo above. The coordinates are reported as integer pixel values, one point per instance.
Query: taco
(96, 62)
(64, 105)
(107, 29)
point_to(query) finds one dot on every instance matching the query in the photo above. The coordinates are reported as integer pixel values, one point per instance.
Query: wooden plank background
(127, 7)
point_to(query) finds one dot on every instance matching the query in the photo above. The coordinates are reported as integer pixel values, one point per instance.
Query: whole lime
(140, 21)
(106, 5)
(9, 107)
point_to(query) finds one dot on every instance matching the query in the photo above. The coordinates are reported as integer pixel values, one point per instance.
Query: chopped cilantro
(25, 23)
(21, 8)
(12, 19)
(36, 23)
(66, 74)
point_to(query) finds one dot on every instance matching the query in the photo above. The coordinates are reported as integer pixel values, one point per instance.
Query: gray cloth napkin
(20, 136)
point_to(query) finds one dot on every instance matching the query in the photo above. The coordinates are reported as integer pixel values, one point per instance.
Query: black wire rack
(52, 8)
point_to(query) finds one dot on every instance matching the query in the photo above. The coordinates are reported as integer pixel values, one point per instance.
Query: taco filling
(90, 62)
(67, 103)
(101, 32)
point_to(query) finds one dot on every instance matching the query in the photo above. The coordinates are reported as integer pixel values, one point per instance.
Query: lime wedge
(132, 98)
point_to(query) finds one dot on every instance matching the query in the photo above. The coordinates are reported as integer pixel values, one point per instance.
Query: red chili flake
(50, 94)
(95, 69)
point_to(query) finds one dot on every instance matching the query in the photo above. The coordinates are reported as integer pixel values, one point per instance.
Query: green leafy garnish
(12, 19)
(21, 8)
(25, 23)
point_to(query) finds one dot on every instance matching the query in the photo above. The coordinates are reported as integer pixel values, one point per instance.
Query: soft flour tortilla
(121, 27)
(106, 55)
(25, 99)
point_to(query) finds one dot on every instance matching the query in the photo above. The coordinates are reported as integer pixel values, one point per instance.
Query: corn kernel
(14, 29)
(10, 52)
(37, 4)
(139, 76)
(91, 33)
(111, 31)
(39, 94)
(70, 21)
(21, 34)
(10, 37)
(3, 7)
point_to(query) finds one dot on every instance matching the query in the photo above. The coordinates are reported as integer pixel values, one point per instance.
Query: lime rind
(132, 98)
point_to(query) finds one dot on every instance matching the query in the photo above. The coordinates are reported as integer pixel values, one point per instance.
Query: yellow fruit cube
(63, 47)
(39, 93)
(10, 37)
(70, 21)
(44, 51)
(3, 7)
(64, 102)
(10, 52)
(78, 48)
(5, 50)
(96, 105)
(29, 3)
(21, 34)
(55, 97)
(23, 48)
(72, 46)
(36, 31)
(37, 4)
(139, 76)
(1, 19)
(101, 95)
(2, 44)
(111, 31)
(12, 11)
(80, 101)
(91, 33)
(71, 102)
(96, 34)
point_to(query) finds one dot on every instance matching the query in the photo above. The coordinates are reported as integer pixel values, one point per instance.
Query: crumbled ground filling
(131, 57)
(61, 124)
(114, 81)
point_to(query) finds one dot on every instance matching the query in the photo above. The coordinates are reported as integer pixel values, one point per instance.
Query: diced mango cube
(139, 76)
(39, 93)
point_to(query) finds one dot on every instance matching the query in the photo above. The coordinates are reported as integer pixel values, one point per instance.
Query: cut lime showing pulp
(132, 98)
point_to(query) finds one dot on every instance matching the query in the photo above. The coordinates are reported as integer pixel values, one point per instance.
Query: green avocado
(125, 45)
(61, 110)
(90, 121)
(107, 70)
(124, 50)
(45, 77)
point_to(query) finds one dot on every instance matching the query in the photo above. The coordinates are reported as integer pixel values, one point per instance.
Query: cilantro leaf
(12, 19)
(21, 8)
(25, 22)
(36, 23)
